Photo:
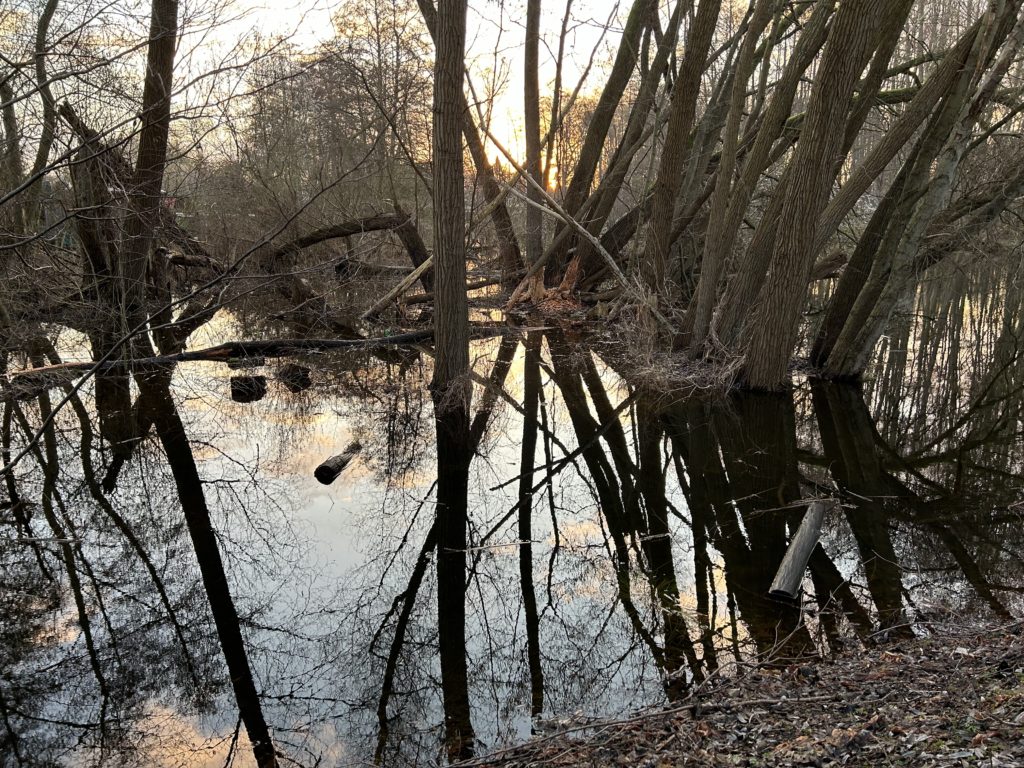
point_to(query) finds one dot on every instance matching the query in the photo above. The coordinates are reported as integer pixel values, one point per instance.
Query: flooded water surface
(179, 589)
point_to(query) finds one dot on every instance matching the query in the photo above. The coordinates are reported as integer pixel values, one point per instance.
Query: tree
(451, 386)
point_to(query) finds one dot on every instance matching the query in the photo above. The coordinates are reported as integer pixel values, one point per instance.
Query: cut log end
(248, 389)
(295, 378)
(330, 469)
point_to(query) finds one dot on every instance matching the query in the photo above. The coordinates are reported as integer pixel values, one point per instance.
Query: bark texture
(147, 180)
(772, 333)
(451, 384)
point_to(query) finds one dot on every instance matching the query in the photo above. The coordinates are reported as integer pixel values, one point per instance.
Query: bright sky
(306, 22)
(495, 34)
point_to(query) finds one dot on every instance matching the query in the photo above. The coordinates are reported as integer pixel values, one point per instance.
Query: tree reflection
(454, 453)
(742, 472)
(585, 544)
(531, 402)
(171, 432)
(847, 435)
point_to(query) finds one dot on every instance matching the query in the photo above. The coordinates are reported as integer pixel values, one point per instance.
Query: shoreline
(952, 697)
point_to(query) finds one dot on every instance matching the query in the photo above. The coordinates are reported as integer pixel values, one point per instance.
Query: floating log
(296, 378)
(786, 585)
(248, 389)
(328, 472)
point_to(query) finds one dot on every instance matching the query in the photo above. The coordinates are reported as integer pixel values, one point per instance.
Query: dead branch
(241, 349)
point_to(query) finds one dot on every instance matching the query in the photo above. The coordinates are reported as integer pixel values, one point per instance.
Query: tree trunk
(771, 336)
(451, 384)
(677, 145)
(586, 262)
(742, 288)
(531, 123)
(147, 180)
(508, 246)
(718, 243)
(888, 256)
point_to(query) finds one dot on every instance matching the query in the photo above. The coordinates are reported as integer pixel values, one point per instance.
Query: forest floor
(954, 697)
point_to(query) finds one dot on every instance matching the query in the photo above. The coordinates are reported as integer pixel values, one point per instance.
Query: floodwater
(175, 582)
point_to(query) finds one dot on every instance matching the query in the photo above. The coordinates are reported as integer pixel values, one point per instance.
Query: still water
(178, 589)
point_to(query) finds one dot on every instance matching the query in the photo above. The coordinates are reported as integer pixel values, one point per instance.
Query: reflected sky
(153, 558)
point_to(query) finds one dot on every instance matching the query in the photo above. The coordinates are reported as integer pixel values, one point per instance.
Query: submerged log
(248, 389)
(296, 378)
(328, 472)
(786, 584)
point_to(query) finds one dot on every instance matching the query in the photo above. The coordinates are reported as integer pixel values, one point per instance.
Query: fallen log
(786, 584)
(188, 260)
(400, 222)
(328, 472)
(423, 298)
(347, 267)
(403, 286)
(238, 350)
(27, 382)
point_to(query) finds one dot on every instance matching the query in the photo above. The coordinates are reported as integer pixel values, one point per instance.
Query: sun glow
(507, 134)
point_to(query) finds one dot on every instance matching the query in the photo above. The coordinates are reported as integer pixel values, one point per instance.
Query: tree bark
(598, 207)
(718, 243)
(742, 288)
(677, 146)
(147, 179)
(640, 14)
(531, 123)
(508, 245)
(889, 255)
(771, 335)
(451, 384)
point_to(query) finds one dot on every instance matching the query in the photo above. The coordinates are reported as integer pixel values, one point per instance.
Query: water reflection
(176, 584)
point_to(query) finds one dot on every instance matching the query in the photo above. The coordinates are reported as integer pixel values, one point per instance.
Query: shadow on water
(176, 589)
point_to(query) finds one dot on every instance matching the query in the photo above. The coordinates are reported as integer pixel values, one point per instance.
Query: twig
(554, 209)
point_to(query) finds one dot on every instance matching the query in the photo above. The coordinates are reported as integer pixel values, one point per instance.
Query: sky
(495, 35)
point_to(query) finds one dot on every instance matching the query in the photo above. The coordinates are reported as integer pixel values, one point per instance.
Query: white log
(786, 585)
